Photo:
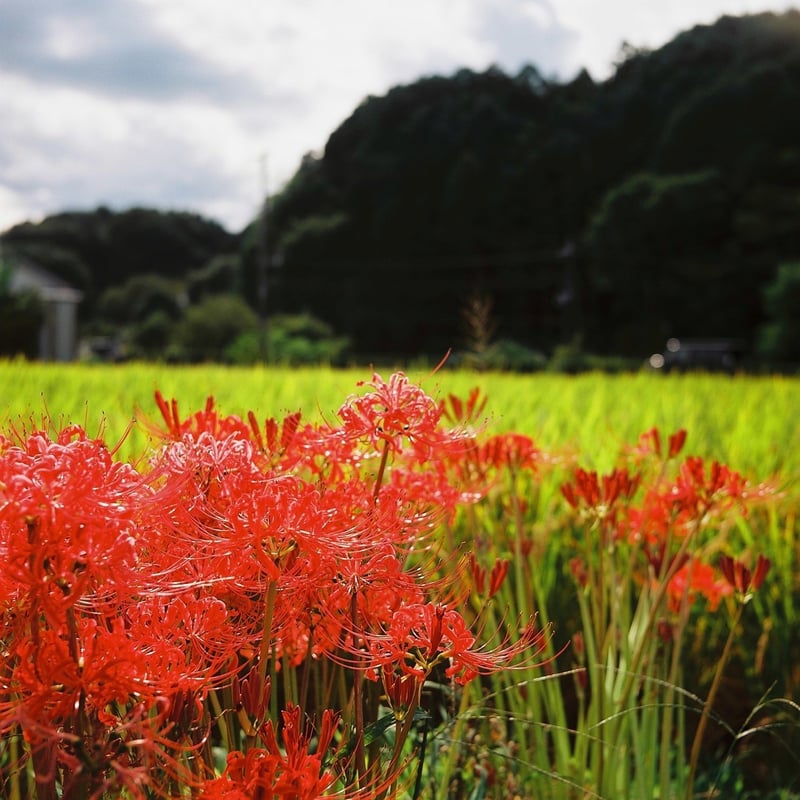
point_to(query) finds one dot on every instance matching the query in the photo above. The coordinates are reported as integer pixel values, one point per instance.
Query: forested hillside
(99, 249)
(656, 204)
(468, 209)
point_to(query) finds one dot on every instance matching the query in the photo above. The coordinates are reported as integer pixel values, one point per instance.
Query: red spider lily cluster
(660, 505)
(645, 558)
(152, 617)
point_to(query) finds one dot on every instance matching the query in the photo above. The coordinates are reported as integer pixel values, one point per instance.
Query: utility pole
(263, 265)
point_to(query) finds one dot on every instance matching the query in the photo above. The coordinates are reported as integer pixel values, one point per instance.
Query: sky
(205, 106)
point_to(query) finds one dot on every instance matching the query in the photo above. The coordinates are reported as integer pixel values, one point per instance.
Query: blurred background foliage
(595, 219)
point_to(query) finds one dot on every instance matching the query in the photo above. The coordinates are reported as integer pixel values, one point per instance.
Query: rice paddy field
(550, 727)
(751, 423)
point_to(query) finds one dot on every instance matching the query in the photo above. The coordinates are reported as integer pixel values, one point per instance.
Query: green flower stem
(658, 597)
(16, 767)
(530, 600)
(223, 724)
(452, 754)
(666, 745)
(402, 729)
(709, 703)
(358, 699)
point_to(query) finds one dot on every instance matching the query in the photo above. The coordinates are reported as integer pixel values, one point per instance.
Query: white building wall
(58, 338)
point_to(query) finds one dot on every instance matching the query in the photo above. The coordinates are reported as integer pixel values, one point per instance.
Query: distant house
(58, 335)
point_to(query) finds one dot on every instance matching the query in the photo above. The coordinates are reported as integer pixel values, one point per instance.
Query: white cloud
(602, 27)
(174, 104)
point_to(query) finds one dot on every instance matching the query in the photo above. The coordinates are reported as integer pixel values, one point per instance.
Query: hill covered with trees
(479, 208)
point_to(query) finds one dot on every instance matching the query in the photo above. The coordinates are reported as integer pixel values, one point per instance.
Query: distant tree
(97, 249)
(779, 339)
(734, 123)
(150, 337)
(415, 183)
(657, 250)
(218, 276)
(138, 298)
(768, 208)
(21, 316)
(209, 327)
(292, 339)
(169, 244)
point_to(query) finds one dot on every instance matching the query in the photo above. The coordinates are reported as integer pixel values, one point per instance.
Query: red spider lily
(327, 452)
(402, 691)
(277, 437)
(182, 714)
(251, 698)
(698, 489)
(659, 558)
(739, 577)
(430, 491)
(679, 506)
(512, 450)
(496, 576)
(68, 521)
(218, 510)
(347, 594)
(478, 465)
(597, 497)
(273, 772)
(190, 638)
(422, 635)
(390, 413)
(53, 676)
(459, 412)
(654, 520)
(650, 443)
(110, 765)
(695, 579)
(676, 443)
(207, 420)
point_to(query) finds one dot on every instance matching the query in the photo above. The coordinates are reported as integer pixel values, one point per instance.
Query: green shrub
(293, 340)
(211, 326)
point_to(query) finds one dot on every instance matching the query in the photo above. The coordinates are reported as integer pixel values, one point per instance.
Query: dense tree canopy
(605, 216)
(655, 204)
(99, 249)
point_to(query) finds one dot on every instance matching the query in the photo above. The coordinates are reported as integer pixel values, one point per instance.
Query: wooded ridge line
(607, 216)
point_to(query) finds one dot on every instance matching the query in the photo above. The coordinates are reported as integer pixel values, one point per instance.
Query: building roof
(27, 276)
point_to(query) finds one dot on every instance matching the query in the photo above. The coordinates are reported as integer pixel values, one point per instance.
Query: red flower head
(68, 520)
(741, 579)
(422, 635)
(271, 772)
(208, 420)
(698, 490)
(458, 412)
(496, 576)
(692, 579)
(650, 443)
(597, 497)
(511, 450)
(392, 412)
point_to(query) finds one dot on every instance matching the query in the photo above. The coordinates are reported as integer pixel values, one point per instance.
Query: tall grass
(748, 421)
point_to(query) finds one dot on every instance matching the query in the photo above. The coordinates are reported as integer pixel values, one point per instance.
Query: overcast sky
(201, 105)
